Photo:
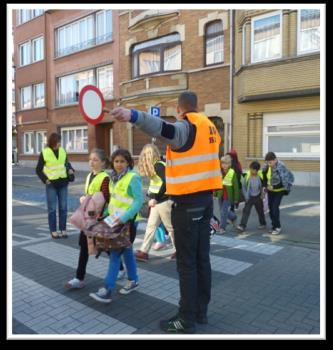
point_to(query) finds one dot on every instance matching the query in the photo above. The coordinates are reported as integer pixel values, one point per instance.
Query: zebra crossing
(37, 306)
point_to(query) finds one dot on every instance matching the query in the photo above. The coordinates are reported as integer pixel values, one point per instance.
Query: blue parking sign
(155, 111)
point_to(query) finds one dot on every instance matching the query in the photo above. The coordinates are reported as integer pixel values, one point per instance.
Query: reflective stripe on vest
(96, 183)
(120, 201)
(269, 180)
(156, 182)
(197, 169)
(54, 167)
(227, 180)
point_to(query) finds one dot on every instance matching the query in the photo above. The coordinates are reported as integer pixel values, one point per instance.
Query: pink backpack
(88, 212)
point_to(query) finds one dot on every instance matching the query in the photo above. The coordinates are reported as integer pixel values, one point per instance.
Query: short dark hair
(53, 140)
(255, 165)
(124, 153)
(270, 156)
(188, 101)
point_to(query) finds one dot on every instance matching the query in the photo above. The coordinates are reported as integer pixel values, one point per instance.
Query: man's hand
(152, 203)
(119, 114)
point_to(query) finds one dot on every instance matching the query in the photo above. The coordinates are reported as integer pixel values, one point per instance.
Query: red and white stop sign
(91, 103)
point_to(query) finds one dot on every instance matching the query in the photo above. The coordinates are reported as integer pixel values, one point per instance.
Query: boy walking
(252, 188)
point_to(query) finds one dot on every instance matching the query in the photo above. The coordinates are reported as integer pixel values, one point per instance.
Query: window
(214, 39)
(86, 32)
(26, 97)
(25, 54)
(38, 49)
(103, 26)
(266, 37)
(28, 147)
(105, 81)
(40, 141)
(308, 31)
(293, 135)
(158, 55)
(75, 139)
(39, 99)
(69, 86)
(27, 15)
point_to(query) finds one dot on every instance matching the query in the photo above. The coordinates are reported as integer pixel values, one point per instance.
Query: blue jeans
(114, 264)
(52, 193)
(226, 213)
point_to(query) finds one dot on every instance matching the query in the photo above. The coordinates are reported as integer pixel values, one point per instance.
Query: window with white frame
(103, 26)
(69, 86)
(25, 53)
(37, 49)
(26, 102)
(41, 141)
(292, 134)
(26, 15)
(39, 95)
(28, 143)
(105, 81)
(308, 31)
(86, 32)
(75, 139)
(157, 55)
(214, 38)
(266, 37)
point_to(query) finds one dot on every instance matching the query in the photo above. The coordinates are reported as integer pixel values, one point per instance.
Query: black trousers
(274, 201)
(192, 239)
(258, 204)
(84, 256)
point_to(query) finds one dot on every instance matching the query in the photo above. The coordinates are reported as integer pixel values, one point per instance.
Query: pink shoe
(159, 246)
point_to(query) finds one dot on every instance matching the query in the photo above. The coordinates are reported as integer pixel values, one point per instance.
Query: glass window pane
(90, 29)
(267, 40)
(164, 40)
(214, 50)
(291, 128)
(295, 144)
(26, 97)
(309, 30)
(85, 140)
(172, 58)
(215, 27)
(149, 62)
(38, 49)
(25, 54)
(105, 80)
(39, 95)
(78, 141)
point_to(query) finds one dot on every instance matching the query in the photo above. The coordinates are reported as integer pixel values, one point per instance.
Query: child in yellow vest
(125, 203)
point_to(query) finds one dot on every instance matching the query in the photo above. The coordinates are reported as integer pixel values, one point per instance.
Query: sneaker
(176, 325)
(159, 246)
(75, 283)
(240, 228)
(63, 234)
(141, 256)
(276, 231)
(173, 256)
(262, 227)
(103, 296)
(130, 287)
(121, 275)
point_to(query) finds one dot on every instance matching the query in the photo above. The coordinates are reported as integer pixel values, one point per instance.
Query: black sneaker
(176, 325)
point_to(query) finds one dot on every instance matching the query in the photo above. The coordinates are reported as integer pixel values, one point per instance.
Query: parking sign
(155, 111)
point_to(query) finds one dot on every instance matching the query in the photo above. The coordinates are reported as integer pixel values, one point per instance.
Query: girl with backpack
(97, 181)
(126, 199)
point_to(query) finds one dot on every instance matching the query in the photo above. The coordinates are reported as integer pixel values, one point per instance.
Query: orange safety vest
(197, 169)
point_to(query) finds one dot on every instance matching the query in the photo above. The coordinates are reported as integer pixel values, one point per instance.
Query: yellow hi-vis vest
(156, 182)
(96, 183)
(54, 167)
(197, 169)
(269, 181)
(120, 201)
(248, 175)
(227, 180)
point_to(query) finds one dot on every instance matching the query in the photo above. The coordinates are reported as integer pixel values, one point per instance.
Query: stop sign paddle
(91, 103)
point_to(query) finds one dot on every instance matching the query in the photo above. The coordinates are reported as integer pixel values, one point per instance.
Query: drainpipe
(231, 83)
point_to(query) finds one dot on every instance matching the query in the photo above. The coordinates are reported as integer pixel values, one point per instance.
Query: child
(126, 200)
(97, 180)
(229, 194)
(252, 188)
(151, 166)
